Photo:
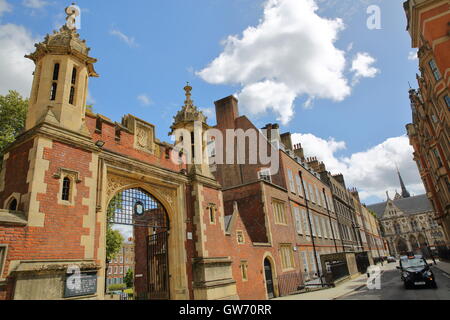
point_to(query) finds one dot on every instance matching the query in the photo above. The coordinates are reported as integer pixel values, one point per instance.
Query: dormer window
(12, 205)
(264, 174)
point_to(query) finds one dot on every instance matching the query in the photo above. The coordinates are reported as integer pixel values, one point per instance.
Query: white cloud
(4, 7)
(350, 47)
(372, 171)
(413, 56)
(123, 37)
(35, 4)
(209, 112)
(290, 53)
(90, 99)
(144, 100)
(16, 70)
(362, 67)
(261, 96)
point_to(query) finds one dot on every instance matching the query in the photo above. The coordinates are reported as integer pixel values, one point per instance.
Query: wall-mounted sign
(86, 286)
(139, 208)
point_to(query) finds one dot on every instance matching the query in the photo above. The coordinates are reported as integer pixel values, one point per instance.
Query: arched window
(72, 95)
(53, 91)
(74, 75)
(12, 205)
(56, 72)
(66, 189)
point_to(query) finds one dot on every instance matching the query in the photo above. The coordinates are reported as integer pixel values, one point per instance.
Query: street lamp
(428, 247)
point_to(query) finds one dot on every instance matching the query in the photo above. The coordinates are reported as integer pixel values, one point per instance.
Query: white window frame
(317, 224)
(291, 182)
(305, 223)
(298, 220)
(299, 185)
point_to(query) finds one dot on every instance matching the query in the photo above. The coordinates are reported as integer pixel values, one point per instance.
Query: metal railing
(338, 270)
(443, 253)
(290, 283)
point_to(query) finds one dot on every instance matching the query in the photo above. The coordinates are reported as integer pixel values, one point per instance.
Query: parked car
(391, 259)
(416, 272)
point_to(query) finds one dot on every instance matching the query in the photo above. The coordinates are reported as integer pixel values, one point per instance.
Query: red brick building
(429, 132)
(251, 230)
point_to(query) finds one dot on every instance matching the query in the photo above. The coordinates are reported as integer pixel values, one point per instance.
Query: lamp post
(428, 246)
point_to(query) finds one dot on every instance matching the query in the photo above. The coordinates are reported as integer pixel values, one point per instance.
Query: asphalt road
(392, 288)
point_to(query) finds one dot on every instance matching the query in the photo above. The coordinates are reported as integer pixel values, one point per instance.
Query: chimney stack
(226, 112)
(298, 151)
(286, 140)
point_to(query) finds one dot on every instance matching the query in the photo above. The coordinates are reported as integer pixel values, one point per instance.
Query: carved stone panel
(117, 183)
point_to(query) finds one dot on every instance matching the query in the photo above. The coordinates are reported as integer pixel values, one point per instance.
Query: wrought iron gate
(158, 267)
(148, 217)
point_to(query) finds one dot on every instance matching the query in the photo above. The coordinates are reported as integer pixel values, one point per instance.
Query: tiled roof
(412, 205)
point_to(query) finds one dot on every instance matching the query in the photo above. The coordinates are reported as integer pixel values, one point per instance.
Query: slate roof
(412, 205)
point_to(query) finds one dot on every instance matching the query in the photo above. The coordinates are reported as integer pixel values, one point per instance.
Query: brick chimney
(298, 151)
(273, 132)
(286, 140)
(226, 112)
(340, 178)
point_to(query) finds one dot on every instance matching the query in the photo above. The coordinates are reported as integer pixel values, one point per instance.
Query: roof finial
(188, 89)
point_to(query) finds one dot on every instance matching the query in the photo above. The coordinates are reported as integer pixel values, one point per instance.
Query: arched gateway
(150, 223)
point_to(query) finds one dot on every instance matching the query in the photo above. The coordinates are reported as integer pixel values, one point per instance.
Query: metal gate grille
(158, 267)
(121, 210)
(148, 217)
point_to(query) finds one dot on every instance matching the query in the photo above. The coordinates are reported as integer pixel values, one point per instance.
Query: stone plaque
(86, 287)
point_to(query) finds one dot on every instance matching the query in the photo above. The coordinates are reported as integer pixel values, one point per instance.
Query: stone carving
(142, 138)
(116, 183)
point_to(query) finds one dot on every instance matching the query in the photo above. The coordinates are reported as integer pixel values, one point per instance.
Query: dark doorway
(148, 225)
(269, 279)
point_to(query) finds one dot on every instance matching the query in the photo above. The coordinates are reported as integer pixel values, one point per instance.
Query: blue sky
(147, 50)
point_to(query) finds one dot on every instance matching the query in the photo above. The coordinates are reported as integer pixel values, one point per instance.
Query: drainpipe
(329, 216)
(310, 228)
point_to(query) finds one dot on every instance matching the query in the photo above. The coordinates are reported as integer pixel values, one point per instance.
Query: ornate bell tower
(60, 84)
(190, 128)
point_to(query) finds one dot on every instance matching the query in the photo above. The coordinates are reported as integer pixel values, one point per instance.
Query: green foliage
(129, 278)
(117, 287)
(90, 108)
(114, 241)
(13, 112)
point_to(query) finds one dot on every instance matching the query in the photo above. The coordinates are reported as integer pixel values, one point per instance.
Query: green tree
(114, 239)
(129, 278)
(13, 112)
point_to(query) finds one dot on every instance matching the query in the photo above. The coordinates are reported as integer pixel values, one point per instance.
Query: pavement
(339, 291)
(390, 287)
(443, 266)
